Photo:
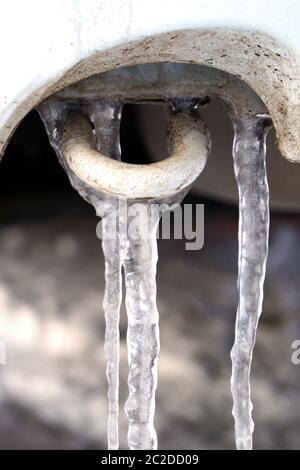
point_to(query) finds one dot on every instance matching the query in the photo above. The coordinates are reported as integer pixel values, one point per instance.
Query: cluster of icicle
(138, 257)
(139, 260)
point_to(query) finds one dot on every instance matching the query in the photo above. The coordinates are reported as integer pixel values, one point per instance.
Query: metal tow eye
(189, 146)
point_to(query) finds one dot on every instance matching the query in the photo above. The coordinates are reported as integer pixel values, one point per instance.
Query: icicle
(106, 118)
(111, 306)
(249, 153)
(140, 259)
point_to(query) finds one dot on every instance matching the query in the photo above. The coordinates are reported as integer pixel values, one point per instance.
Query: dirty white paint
(41, 41)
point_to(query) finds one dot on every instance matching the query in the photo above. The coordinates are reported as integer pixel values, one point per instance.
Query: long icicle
(140, 259)
(249, 154)
(106, 118)
(111, 306)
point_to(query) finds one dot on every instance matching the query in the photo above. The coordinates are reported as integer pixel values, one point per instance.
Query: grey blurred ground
(53, 388)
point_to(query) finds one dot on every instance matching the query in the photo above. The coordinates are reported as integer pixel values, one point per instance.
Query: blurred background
(53, 387)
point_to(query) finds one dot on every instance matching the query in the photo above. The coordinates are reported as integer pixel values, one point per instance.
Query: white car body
(47, 45)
